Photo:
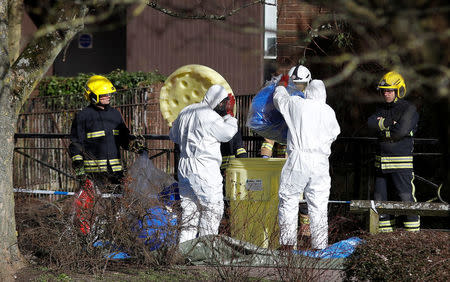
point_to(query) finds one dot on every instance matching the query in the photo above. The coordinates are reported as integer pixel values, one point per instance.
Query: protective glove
(230, 104)
(137, 145)
(284, 80)
(80, 173)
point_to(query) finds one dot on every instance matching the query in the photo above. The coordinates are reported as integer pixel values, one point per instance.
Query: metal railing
(41, 160)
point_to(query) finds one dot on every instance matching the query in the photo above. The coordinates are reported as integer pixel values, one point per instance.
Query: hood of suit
(316, 91)
(215, 95)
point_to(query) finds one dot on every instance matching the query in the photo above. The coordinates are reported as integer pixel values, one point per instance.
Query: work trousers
(310, 176)
(199, 218)
(396, 186)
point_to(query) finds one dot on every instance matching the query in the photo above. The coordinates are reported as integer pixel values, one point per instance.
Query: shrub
(401, 256)
(58, 86)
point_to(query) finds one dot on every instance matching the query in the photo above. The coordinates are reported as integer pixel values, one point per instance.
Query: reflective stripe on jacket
(96, 137)
(395, 124)
(231, 149)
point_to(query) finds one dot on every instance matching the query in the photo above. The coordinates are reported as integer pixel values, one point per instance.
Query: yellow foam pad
(187, 85)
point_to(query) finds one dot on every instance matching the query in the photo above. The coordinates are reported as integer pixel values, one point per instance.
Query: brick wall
(295, 18)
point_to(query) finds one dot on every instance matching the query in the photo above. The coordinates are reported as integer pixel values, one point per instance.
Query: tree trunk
(18, 79)
(10, 258)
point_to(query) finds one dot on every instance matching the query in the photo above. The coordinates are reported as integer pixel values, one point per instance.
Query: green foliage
(52, 277)
(62, 86)
(64, 277)
(343, 40)
(124, 80)
(401, 256)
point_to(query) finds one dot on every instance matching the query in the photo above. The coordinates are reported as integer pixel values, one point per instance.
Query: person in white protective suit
(312, 129)
(199, 129)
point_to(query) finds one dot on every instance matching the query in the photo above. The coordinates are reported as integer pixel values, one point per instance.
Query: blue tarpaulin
(341, 249)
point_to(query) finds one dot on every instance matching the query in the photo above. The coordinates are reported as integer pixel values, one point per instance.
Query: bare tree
(20, 73)
(410, 36)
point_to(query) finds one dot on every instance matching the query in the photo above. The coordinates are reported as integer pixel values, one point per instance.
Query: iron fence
(41, 160)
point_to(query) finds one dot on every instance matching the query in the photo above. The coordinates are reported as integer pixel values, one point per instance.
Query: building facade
(246, 48)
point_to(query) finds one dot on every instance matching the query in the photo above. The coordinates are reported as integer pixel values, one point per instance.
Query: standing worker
(98, 131)
(312, 128)
(199, 129)
(301, 76)
(395, 123)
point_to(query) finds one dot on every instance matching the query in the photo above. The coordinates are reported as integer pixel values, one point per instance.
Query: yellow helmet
(98, 85)
(393, 80)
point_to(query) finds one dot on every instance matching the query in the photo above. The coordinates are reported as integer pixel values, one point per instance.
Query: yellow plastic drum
(185, 86)
(252, 189)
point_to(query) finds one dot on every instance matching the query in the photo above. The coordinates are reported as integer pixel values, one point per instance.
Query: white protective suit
(312, 128)
(199, 130)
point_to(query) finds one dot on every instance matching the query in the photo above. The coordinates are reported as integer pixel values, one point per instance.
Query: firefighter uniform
(271, 149)
(232, 149)
(96, 137)
(98, 131)
(395, 124)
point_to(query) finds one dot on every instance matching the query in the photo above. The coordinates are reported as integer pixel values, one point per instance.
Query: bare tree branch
(203, 16)
(40, 53)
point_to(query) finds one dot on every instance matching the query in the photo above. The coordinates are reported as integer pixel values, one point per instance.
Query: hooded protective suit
(312, 128)
(199, 130)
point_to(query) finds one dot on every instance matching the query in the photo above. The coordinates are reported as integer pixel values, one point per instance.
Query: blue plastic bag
(170, 195)
(115, 251)
(159, 225)
(158, 228)
(264, 119)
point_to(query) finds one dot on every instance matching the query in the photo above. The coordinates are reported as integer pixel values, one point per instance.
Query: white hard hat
(300, 74)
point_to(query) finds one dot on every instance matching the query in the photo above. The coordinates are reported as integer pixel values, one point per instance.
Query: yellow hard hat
(98, 85)
(393, 80)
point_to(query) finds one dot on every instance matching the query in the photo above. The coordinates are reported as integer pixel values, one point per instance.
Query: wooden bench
(374, 208)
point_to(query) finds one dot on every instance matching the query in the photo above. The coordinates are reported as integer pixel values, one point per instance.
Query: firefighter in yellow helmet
(394, 122)
(97, 134)
(98, 131)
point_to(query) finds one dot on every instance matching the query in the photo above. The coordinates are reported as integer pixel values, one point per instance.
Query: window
(270, 27)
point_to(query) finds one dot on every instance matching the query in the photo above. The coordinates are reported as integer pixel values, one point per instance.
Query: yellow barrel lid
(187, 85)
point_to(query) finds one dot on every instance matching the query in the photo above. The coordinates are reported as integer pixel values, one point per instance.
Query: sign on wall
(85, 41)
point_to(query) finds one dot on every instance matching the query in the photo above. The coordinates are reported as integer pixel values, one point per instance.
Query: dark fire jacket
(395, 140)
(96, 137)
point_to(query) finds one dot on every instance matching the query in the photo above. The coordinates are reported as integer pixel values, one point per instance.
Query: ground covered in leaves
(55, 251)
(40, 273)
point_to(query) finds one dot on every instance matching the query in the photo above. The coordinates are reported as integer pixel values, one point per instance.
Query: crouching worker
(199, 129)
(312, 128)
